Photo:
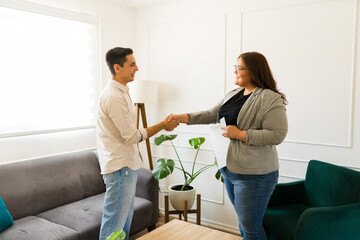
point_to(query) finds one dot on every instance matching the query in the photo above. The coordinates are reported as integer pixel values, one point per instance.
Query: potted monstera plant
(178, 193)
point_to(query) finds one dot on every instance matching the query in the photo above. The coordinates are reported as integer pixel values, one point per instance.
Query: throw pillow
(5, 218)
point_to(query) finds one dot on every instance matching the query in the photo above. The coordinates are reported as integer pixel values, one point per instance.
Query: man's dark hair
(117, 56)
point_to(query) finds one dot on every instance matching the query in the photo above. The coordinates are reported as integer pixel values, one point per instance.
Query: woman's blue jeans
(250, 196)
(118, 202)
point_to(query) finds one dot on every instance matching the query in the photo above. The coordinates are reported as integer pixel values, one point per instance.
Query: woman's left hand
(233, 132)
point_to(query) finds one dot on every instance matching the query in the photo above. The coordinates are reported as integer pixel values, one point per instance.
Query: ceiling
(138, 3)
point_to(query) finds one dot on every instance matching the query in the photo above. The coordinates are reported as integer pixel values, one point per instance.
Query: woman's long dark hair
(260, 72)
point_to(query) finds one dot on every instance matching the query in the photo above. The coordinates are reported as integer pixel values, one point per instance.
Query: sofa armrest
(329, 223)
(147, 187)
(287, 193)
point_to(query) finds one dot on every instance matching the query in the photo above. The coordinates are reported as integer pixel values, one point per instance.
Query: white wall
(190, 47)
(116, 24)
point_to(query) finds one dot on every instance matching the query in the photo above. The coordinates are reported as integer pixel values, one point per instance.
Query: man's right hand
(170, 125)
(181, 118)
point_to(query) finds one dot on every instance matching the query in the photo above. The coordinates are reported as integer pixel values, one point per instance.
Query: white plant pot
(177, 197)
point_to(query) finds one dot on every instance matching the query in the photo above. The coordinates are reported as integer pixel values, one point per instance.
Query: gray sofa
(61, 197)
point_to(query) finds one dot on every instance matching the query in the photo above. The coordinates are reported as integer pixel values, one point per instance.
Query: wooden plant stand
(186, 211)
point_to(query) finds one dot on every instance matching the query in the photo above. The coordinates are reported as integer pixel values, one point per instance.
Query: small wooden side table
(186, 211)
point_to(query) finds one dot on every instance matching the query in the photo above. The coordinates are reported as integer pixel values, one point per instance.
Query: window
(48, 77)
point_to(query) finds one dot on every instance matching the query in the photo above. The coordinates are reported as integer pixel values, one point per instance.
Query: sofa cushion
(328, 185)
(280, 221)
(83, 216)
(45, 183)
(5, 218)
(143, 210)
(31, 228)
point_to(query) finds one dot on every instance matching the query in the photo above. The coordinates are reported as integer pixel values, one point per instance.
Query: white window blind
(47, 73)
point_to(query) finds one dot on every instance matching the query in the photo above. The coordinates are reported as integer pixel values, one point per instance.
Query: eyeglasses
(238, 69)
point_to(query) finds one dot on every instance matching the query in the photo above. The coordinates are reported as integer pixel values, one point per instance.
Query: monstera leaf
(162, 138)
(163, 168)
(219, 176)
(196, 142)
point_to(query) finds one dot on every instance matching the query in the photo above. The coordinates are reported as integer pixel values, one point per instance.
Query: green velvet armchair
(324, 206)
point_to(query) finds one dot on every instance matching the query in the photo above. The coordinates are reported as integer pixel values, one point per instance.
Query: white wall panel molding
(295, 178)
(301, 52)
(353, 67)
(304, 163)
(294, 160)
(347, 145)
(193, 132)
(179, 60)
(183, 146)
(222, 202)
(293, 169)
(182, 160)
(209, 223)
(307, 162)
(291, 177)
(190, 133)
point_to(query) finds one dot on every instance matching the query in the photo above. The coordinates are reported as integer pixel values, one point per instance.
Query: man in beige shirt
(117, 142)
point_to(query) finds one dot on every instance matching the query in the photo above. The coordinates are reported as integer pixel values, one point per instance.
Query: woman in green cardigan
(255, 116)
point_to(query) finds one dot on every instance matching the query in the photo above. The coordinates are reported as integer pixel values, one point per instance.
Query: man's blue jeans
(118, 202)
(250, 196)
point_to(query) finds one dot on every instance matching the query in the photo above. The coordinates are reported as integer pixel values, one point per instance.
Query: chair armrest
(329, 223)
(287, 193)
(147, 187)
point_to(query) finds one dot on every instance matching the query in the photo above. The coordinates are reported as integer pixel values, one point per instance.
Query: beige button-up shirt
(117, 135)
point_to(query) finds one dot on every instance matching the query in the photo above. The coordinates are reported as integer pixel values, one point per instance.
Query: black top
(230, 110)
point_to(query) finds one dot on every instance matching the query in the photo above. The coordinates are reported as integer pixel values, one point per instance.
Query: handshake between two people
(173, 120)
(230, 131)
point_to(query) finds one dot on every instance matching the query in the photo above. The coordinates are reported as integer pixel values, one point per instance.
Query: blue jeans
(118, 202)
(250, 196)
